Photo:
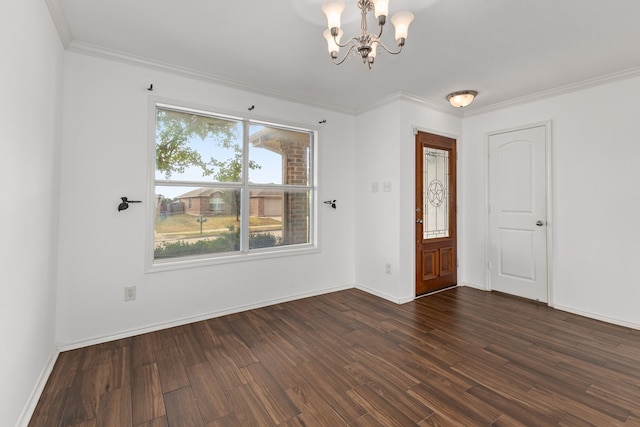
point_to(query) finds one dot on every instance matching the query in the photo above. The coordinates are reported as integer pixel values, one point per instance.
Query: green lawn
(188, 223)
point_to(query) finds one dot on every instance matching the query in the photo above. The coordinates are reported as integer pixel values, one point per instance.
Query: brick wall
(295, 227)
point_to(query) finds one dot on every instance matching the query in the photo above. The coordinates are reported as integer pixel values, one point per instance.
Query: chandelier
(366, 44)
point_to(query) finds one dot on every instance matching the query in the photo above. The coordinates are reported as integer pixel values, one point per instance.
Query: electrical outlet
(129, 293)
(386, 186)
(387, 267)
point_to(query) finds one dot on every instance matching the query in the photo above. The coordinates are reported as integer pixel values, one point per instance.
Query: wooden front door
(436, 257)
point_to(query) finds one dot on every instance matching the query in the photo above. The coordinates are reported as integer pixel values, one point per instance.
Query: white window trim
(244, 255)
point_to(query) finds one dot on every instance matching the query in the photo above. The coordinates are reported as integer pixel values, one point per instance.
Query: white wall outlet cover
(129, 293)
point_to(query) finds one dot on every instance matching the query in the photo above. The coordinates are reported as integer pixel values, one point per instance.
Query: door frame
(548, 202)
(459, 203)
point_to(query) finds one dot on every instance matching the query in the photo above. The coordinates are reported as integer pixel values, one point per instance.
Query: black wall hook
(251, 108)
(322, 121)
(125, 203)
(150, 88)
(331, 203)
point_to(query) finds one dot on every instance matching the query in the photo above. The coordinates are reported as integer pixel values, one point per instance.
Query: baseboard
(600, 317)
(383, 295)
(473, 285)
(191, 319)
(573, 310)
(27, 412)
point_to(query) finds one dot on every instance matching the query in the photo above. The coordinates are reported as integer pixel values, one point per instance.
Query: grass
(188, 224)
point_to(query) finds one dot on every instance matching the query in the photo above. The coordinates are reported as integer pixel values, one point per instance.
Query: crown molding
(410, 98)
(126, 58)
(446, 108)
(561, 90)
(141, 61)
(60, 21)
(57, 14)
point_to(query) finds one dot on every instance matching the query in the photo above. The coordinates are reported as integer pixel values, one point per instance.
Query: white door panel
(517, 204)
(517, 254)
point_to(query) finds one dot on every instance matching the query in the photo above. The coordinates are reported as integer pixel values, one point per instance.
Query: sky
(269, 173)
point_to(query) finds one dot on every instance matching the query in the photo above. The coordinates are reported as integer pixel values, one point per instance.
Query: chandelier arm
(390, 51)
(345, 56)
(352, 39)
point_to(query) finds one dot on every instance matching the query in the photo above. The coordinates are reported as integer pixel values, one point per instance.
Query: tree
(174, 132)
(231, 171)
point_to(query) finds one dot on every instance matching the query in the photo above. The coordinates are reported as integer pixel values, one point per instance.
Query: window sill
(207, 260)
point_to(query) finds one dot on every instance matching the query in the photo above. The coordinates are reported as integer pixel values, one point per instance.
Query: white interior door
(517, 213)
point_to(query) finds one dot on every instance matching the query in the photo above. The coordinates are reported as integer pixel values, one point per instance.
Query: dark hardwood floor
(459, 357)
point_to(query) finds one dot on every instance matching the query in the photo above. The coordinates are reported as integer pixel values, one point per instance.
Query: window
(229, 187)
(216, 203)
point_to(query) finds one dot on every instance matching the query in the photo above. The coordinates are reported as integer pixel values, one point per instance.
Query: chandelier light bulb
(333, 9)
(332, 46)
(381, 7)
(374, 51)
(401, 21)
(372, 54)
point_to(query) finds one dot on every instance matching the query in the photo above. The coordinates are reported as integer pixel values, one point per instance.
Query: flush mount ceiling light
(462, 98)
(366, 44)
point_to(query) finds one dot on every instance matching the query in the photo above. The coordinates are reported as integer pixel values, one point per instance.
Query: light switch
(386, 187)
(374, 187)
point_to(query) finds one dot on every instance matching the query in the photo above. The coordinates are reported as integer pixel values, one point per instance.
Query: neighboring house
(167, 207)
(212, 201)
(205, 201)
(266, 203)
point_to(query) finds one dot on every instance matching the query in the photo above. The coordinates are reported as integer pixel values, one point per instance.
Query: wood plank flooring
(459, 357)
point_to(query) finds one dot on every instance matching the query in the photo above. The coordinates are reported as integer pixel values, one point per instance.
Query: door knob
(419, 221)
(539, 223)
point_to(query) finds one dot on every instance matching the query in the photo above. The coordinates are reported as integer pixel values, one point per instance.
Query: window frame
(246, 187)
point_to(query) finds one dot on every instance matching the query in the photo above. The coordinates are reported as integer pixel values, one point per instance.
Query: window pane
(194, 147)
(278, 156)
(436, 197)
(187, 223)
(278, 218)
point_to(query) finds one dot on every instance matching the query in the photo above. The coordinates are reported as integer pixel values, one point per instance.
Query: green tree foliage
(174, 152)
(174, 132)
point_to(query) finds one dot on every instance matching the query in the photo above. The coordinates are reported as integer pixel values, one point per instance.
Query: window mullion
(194, 216)
(245, 209)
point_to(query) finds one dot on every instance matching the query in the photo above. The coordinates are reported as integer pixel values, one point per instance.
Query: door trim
(409, 214)
(548, 201)
(450, 144)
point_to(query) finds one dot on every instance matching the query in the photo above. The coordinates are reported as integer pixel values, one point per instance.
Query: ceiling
(505, 49)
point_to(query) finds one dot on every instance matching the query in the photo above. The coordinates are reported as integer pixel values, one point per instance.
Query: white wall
(31, 88)
(595, 196)
(385, 221)
(104, 157)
